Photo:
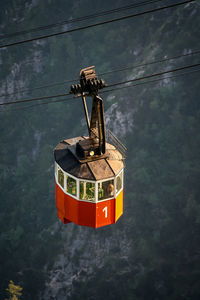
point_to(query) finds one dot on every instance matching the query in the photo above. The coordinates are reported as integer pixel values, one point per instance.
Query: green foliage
(14, 291)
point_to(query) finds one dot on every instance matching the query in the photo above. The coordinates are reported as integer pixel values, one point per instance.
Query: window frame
(77, 185)
(58, 167)
(78, 180)
(65, 181)
(91, 181)
(104, 180)
(121, 172)
(56, 171)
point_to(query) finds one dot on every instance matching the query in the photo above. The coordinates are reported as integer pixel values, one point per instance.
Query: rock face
(119, 122)
(159, 123)
(85, 251)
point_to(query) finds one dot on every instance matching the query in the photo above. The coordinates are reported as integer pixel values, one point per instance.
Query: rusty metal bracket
(89, 86)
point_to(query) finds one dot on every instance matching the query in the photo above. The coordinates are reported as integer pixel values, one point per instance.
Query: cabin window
(119, 182)
(60, 177)
(106, 189)
(87, 190)
(71, 186)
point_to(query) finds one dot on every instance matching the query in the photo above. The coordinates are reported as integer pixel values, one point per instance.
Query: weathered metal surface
(74, 140)
(85, 110)
(82, 171)
(67, 162)
(116, 165)
(114, 154)
(101, 169)
(60, 151)
(89, 86)
(92, 168)
(97, 117)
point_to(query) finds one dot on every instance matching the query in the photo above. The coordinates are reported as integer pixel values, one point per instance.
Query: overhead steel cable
(111, 85)
(39, 87)
(35, 99)
(38, 104)
(102, 92)
(97, 24)
(150, 63)
(149, 81)
(153, 75)
(100, 14)
(102, 74)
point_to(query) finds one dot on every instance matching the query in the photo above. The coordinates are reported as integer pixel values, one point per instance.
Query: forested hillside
(153, 251)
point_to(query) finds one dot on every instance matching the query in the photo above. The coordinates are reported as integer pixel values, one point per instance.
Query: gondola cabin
(89, 170)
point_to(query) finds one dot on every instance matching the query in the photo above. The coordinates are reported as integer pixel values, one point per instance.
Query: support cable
(103, 74)
(96, 24)
(99, 14)
(149, 81)
(153, 75)
(112, 90)
(111, 85)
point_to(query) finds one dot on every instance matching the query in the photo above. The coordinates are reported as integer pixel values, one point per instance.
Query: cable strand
(102, 74)
(108, 91)
(96, 24)
(111, 85)
(103, 13)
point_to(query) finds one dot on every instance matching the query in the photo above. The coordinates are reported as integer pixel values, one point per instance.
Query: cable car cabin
(89, 192)
(88, 170)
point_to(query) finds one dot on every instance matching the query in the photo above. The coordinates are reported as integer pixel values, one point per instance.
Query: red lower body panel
(86, 213)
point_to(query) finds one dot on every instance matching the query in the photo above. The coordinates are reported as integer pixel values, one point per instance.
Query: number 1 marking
(106, 211)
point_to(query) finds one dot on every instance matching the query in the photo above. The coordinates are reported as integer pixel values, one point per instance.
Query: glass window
(106, 189)
(119, 182)
(71, 185)
(60, 177)
(87, 190)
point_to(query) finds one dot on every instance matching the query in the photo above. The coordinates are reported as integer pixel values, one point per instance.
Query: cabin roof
(94, 168)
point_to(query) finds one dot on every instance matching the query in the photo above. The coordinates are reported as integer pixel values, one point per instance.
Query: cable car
(89, 170)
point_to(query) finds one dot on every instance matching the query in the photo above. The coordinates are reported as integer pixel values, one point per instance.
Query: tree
(14, 291)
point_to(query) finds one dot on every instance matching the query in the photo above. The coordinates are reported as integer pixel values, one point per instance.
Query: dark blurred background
(153, 251)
